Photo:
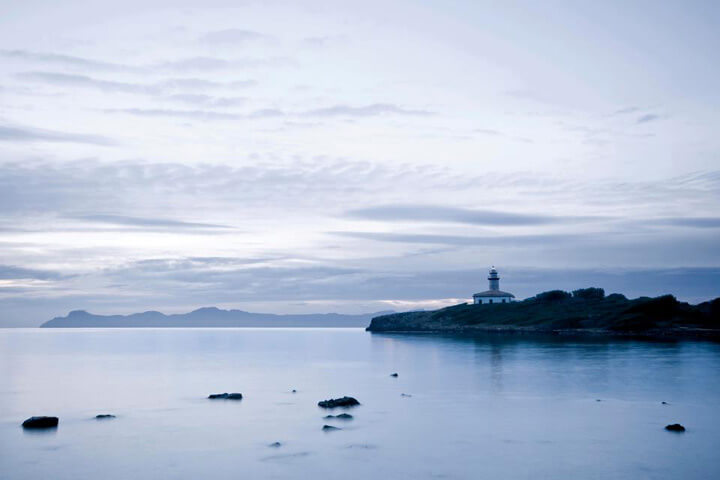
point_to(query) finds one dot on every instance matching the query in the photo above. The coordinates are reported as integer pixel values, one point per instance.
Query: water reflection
(40, 432)
(488, 406)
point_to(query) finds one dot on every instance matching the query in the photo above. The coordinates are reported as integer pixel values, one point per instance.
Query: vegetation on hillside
(585, 309)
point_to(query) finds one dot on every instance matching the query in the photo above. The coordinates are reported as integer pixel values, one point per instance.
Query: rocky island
(584, 311)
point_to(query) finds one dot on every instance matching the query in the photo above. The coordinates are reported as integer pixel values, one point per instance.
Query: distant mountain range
(209, 317)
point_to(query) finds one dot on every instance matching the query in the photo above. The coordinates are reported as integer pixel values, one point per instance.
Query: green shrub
(589, 293)
(552, 296)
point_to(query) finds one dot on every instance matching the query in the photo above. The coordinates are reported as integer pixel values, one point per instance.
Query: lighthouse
(494, 294)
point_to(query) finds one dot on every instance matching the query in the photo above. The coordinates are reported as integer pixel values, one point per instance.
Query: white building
(494, 295)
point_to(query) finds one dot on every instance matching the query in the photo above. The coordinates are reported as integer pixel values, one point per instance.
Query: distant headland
(206, 318)
(583, 311)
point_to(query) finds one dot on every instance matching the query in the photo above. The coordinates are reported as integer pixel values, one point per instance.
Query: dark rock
(294, 391)
(598, 400)
(339, 402)
(342, 416)
(41, 422)
(226, 396)
(393, 374)
(330, 428)
(275, 445)
(104, 416)
(675, 427)
(405, 395)
(664, 403)
(586, 313)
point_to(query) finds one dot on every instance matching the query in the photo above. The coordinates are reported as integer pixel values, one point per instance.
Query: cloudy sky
(316, 156)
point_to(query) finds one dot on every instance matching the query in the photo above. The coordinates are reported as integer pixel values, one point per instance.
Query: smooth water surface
(498, 407)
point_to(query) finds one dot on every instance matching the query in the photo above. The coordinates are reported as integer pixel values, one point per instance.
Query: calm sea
(499, 407)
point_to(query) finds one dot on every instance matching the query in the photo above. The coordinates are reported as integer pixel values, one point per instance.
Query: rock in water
(226, 396)
(393, 374)
(275, 445)
(41, 422)
(675, 427)
(342, 416)
(330, 428)
(339, 402)
(104, 416)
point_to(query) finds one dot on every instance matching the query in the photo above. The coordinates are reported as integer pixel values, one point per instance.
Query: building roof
(494, 293)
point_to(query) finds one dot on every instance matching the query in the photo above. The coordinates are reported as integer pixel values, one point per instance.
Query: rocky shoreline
(585, 312)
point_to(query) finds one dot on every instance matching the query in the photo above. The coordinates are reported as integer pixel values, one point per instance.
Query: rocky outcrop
(225, 396)
(330, 428)
(585, 311)
(342, 416)
(104, 416)
(675, 427)
(338, 402)
(41, 422)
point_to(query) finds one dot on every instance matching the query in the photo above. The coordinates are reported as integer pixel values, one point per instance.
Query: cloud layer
(168, 158)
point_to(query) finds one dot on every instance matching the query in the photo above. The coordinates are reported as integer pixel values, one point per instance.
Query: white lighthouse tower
(494, 295)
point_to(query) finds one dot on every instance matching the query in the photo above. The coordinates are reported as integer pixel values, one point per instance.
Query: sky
(351, 157)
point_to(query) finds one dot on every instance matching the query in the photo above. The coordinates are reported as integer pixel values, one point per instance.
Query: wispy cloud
(186, 114)
(171, 84)
(324, 41)
(12, 133)
(64, 79)
(201, 83)
(260, 113)
(198, 63)
(207, 101)
(649, 117)
(695, 222)
(66, 60)
(233, 36)
(487, 131)
(364, 111)
(626, 110)
(145, 222)
(459, 240)
(14, 272)
(443, 214)
(205, 64)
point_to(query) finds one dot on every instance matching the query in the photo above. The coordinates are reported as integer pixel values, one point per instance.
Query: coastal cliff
(585, 311)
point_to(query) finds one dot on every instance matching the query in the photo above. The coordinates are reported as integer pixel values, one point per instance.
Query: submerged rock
(104, 416)
(275, 445)
(393, 374)
(41, 422)
(294, 391)
(330, 428)
(342, 416)
(405, 395)
(675, 427)
(664, 403)
(339, 402)
(226, 396)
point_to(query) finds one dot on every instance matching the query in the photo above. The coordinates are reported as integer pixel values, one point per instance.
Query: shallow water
(495, 407)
